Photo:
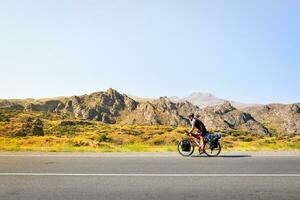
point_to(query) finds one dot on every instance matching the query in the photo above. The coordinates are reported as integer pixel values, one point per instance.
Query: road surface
(139, 176)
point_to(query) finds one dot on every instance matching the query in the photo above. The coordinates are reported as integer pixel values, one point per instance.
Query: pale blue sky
(247, 51)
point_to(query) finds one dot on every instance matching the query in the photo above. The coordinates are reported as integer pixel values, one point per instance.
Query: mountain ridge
(112, 107)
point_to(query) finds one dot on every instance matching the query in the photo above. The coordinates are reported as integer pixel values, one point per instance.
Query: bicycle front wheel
(186, 152)
(211, 151)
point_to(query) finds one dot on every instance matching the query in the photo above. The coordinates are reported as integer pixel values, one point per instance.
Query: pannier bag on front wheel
(185, 145)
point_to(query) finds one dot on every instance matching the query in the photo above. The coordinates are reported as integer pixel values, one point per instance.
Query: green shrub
(103, 138)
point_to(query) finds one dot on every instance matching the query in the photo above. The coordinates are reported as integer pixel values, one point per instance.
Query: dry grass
(99, 137)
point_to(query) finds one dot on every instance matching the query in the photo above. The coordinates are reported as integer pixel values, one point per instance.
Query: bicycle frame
(193, 140)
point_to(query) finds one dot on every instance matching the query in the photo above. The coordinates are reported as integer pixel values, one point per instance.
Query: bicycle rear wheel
(211, 151)
(185, 152)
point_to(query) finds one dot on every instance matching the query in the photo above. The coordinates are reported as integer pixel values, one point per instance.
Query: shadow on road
(222, 156)
(235, 156)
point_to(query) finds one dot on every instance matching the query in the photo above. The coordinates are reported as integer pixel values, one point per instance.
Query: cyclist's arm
(193, 127)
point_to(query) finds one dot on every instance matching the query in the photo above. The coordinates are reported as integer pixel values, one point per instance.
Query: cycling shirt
(199, 125)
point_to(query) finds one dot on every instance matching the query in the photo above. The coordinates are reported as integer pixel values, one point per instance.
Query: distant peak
(202, 94)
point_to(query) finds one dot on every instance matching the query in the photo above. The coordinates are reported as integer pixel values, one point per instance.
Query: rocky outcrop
(101, 106)
(283, 118)
(12, 104)
(47, 106)
(161, 111)
(225, 116)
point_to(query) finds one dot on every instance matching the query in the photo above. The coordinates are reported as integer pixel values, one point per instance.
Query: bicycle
(212, 146)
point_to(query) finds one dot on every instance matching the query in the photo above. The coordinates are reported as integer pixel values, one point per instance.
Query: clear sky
(246, 51)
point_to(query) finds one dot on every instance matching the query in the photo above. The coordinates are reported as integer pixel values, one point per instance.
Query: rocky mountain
(101, 106)
(161, 111)
(225, 116)
(200, 99)
(112, 107)
(284, 118)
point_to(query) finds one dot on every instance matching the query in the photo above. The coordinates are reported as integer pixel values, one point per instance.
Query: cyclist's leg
(202, 136)
(198, 139)
(195, 140)
(202, 143)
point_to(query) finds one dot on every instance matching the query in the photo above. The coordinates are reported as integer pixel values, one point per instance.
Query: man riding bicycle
(201, 131)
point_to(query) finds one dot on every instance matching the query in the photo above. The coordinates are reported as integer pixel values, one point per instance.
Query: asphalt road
(148, 176)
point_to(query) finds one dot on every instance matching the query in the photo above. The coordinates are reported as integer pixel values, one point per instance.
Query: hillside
(47, 131)
(111, 107)
(284, 118)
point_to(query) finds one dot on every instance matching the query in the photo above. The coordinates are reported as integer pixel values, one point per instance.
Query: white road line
(152, 175)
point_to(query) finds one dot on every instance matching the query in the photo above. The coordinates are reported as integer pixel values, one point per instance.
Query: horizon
(142, 97)
(240, 51)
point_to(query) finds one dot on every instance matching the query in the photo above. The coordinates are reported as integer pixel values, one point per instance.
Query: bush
(63, 130)
(103, 138)
(38, 128)
(4, 118)
(159, 142)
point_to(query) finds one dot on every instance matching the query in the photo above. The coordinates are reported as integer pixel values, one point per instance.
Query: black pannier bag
(185, 145)
(215, 139)
(215, 145)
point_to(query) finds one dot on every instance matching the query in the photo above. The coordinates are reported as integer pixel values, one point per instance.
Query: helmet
(191, 115)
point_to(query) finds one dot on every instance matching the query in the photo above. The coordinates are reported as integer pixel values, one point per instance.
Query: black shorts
(202, 134)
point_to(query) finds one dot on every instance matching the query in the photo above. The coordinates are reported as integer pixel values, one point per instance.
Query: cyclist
(201, 131)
